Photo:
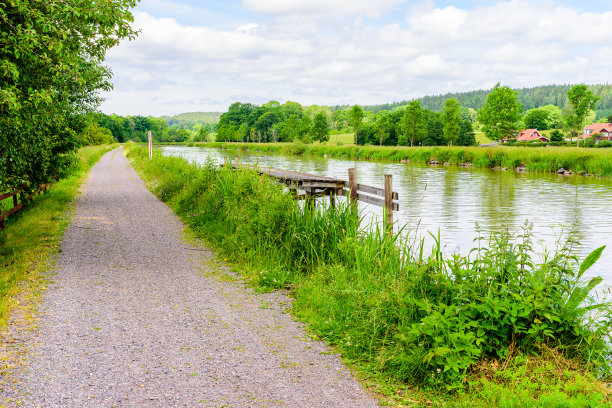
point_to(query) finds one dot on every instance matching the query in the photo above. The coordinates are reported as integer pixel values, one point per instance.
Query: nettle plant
(500, 303)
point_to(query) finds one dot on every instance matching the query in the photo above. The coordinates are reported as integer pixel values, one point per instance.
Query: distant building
(604, 128)
(531, 135)
(528, 135)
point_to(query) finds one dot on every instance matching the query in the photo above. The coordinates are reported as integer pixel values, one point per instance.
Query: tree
(434, 135)
(451, 117)
(609, 119)
(50, 75)
(536, 119)
(320, 128)
(556, 136)
(555, 117)
(500, 113)
(202, 135)
(467, 137)
(382, 127)
(304, 129)
(582, 101)
(412, 126)
(356, 118)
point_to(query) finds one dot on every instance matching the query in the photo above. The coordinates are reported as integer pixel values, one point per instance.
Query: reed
(595, 162)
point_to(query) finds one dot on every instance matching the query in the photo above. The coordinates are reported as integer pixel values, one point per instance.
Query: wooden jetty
(313, 186)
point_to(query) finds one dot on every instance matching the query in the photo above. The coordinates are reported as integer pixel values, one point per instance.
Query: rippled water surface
(460, 201)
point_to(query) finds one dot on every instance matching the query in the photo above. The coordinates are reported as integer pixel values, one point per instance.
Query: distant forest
(196, 126)
(178, 128)
(530, 98)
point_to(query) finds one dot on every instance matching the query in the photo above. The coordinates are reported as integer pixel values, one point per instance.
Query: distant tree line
(273, 122)
(136, 128)
(416, 126)
(528, 98)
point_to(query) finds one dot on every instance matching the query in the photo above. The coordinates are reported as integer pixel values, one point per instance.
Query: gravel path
(138, 317)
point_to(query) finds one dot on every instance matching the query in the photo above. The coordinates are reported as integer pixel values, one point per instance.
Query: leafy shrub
(556, 136)
(605, 143)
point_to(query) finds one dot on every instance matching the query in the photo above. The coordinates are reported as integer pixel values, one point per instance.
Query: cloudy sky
(203, 55)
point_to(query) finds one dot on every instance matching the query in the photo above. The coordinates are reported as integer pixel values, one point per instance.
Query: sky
(205, 55)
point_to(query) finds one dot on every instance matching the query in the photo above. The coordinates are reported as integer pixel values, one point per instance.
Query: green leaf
(590, 260)
(579, 294)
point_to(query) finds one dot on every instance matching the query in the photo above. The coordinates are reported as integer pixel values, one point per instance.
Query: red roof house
(530, 135)
(604, 128)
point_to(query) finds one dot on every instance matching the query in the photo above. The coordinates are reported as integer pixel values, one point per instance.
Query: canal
(465, 203)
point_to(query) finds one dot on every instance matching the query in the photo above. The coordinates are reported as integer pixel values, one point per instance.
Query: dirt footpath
(139, 317)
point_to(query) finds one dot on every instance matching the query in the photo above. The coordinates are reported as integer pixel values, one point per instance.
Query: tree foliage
(500, 113)
(320, 128)
(451, 117)
(356, 119)
(582, 101)
(413, 127)
(536, 119)
(50, 73)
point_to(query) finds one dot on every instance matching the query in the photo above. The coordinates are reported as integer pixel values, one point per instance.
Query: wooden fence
(16, 204)
(317, 186)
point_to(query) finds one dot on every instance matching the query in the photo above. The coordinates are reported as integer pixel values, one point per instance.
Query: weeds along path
(137, 317)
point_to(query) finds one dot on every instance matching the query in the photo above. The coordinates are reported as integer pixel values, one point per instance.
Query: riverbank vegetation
(496, 327)
(596, 162)
(32, 235)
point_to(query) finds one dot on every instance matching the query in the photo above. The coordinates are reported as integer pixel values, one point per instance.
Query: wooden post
(389, 201)
(310, 201)
(332, 197)
(15, 202)
(353, 187)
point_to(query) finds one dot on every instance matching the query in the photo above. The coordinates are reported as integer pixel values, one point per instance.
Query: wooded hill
(530, 98)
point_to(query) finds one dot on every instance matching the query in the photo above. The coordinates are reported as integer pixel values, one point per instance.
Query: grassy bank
(31, 237)
(494, 328)
(596, 162)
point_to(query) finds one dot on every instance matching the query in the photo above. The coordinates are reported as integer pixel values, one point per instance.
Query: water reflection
(458, 201)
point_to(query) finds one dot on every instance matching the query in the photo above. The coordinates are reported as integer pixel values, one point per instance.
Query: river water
(460, 202)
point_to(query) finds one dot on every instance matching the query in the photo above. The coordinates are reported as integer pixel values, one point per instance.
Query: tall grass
(32, 235)
(596, 162)
(406, 312)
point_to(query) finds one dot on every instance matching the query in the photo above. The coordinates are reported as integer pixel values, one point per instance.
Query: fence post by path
(353, 187)
(389, 201)
(150, 146)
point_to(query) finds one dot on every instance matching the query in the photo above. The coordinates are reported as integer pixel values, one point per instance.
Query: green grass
(597, 162)
(346, 139)
(495, 328)
(32, 236)
(482, 139)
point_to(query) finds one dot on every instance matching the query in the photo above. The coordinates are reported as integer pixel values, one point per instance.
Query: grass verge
(32, 236)
(494, 328)
(596, 162)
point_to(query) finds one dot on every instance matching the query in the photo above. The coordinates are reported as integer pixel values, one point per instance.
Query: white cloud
(172, 67)
(371, 9)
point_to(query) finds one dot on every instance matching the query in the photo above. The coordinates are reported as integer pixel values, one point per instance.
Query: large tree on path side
(51, 54)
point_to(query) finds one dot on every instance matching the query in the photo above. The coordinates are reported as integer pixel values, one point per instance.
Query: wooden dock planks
(317, 186)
